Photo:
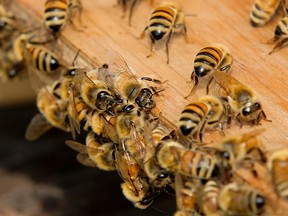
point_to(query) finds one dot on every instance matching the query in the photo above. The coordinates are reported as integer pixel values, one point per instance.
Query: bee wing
(81, 77)
(77, 146)
(228, 83)
(252, 135)
(85, 160)
(110, 128)
(73, 116)
(37, 127)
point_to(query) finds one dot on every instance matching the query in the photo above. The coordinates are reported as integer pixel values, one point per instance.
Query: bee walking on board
(165, 20)
(280, 38)
(278, 168)
(242, 100)
(207, 60)
(263, 10)
(58, 12)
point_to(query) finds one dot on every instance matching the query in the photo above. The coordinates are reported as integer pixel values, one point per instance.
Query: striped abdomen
(192, 117)
(55, 14)
(282, 28)
(280, 178)
(162, 21)
(210, 198)
(197, 165)
(207, 60)
(42, 59)
(262, 11)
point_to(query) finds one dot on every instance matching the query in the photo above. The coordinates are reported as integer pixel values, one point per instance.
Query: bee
(98, 152)
(240, 200)
(277, 166)
(209, 198)
(121, 80)
(165, 20)
(174, 157)
(8, 23)
(262, 11)
(280, 35)
(242, 100)
(236, 149)
(187, 191)
(53, 113)
(158, 176)
(193, 118)
(57, 12)
(94, 92)
(209, 59)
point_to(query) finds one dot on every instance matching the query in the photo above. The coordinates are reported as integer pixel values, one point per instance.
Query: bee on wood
(98, 152)
(164, 21)
(235, 199)
(262, 11)
(57, 12)
(280, 35)
(207, 60)
(242, 100)
(278, 168)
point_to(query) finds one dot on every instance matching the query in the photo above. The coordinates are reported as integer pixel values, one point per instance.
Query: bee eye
(163, 175)
(246, 111)
(2, 24)
(257, 106)
(225, 155)
(260, 201)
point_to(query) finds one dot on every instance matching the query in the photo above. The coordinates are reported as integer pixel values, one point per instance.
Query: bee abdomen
(282, 27)
(55, 14)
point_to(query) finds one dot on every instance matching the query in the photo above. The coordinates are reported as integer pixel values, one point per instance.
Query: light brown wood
(225, 22)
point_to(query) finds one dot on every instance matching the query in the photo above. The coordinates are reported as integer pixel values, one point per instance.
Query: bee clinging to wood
(165, 20)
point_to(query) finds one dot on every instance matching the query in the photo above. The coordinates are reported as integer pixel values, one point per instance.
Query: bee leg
(208, 84)
(167, 46)
(262, 156)
(265, 117)
(279, 45)
(152, 49)
(239, 120)
(153, 80)
(143, 33)
(131, 11)
(194, 87)
(252, 166)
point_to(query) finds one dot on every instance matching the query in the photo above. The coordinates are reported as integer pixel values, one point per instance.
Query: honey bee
(209, 59)
(277, 166)
(187, 196)
(98, 152)
(209, 198)
(241, 200)
(192, 119)
(280, 35)
(242, 100)
(57, 12)
(120, 79)
(246, 147)
(175, 157)
(158, 176)
(8, 23)
(165, 20)
(262, 11)
(53, 113)
(94, 92)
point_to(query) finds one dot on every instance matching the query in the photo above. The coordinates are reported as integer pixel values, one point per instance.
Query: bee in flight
(165, 20)
(207, 60)
(242, 100)
(263, 10)
(58, 12)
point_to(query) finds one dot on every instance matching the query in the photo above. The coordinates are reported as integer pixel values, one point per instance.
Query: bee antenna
(77, 54)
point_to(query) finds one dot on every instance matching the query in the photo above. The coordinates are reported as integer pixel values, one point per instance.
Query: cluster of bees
(123, 126)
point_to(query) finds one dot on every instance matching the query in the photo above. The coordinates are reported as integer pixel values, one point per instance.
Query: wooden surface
(224, 21)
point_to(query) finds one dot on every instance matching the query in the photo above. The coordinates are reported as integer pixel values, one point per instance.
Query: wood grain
(225, 22)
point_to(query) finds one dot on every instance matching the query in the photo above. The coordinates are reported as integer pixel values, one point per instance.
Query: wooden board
(214, 22)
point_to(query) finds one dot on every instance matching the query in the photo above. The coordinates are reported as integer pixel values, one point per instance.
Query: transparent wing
(37, 127)
(85, 160)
